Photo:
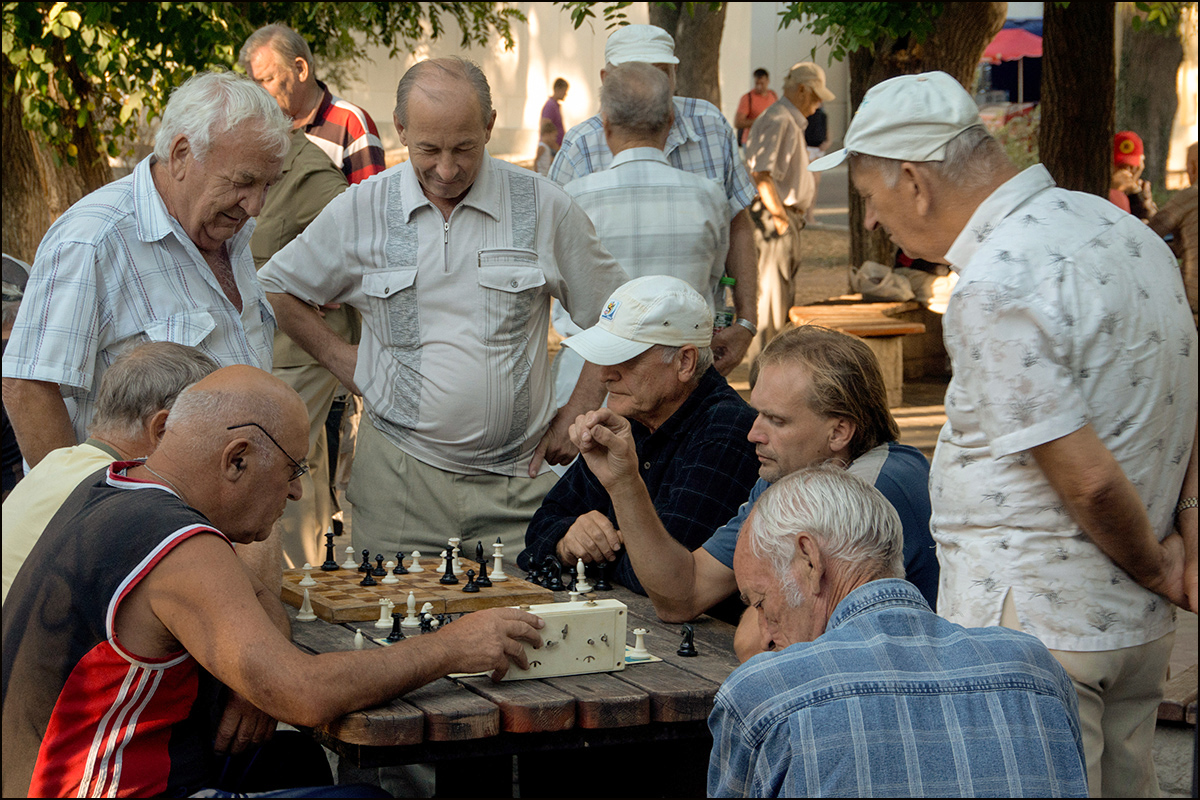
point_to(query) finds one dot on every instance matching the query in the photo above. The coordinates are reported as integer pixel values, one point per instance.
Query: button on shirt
(1067, 312)
(117, 270)
(776, 145)
(453, 364)
(894, 701)
(700, 142)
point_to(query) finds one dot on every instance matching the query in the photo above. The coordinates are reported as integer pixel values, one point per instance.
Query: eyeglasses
(301, 467)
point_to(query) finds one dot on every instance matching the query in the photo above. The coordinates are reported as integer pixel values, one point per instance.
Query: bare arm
(1185, 523)
(741, 263)
(1106, 506)
(556, 446)
(304, 325)
(264, 560)
(39, 417)
(771, 199)
(742, 120)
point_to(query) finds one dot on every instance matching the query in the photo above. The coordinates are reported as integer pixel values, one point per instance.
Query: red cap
(1127, 149)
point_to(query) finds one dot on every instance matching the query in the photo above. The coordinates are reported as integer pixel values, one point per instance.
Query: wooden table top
(451, 717)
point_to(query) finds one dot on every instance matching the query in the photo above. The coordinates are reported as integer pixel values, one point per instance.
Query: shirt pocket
(185, 327)
(511, 286)
(393, 302)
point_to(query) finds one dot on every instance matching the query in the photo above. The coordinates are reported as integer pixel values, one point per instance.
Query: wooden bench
(1179, 698)
(878, 324)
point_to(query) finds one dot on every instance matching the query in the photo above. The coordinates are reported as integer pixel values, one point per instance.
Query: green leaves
(851, 26)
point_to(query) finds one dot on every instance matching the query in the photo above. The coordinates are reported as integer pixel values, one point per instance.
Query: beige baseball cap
(646, 43)
(812, 76)
(909, 118)
(656, 309)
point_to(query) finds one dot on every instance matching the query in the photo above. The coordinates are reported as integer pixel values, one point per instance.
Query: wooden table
(473, 718)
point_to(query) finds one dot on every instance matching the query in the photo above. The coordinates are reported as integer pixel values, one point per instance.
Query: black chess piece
(379, 571)
(396, 634)
(399, 570)
(687, 648)
(368, 579)
(426, 623)
(365, 566)
(602, 584)
(449, 577)
(574, 584)
(479, 552)
(470, 587)
(483, 581)
(329, 564)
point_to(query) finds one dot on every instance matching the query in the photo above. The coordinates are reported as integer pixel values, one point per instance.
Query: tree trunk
(697, 46)
(960, 35)
(1145, 96)
(1078, 86)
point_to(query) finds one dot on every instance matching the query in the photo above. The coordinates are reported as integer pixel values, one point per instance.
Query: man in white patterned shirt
(1070, 417)
(653, 218)
(160, 255)
(702, 142)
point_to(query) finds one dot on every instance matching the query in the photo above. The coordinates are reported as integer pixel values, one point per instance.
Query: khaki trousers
(402, 504)
(1119, 692)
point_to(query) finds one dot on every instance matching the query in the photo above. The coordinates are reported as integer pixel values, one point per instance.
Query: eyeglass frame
(302, 467)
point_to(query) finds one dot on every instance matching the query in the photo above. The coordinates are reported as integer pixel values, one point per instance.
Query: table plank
(391, 725)
(526, 706)
(453, 714)
(676, 695)
(602, 701)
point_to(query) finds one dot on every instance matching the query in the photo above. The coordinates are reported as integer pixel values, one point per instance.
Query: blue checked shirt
(700, 142)
(894, 701)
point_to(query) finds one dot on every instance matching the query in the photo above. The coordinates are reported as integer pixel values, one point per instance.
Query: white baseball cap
(656, 309)
(646, 43)
(909, 118)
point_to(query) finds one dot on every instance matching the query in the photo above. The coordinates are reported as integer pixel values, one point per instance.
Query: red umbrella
(1011, 44)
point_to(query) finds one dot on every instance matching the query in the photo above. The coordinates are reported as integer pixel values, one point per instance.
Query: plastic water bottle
(725, 314)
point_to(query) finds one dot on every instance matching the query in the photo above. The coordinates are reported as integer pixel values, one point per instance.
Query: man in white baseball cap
(700, 141)
(689, 428)
(1063, 468)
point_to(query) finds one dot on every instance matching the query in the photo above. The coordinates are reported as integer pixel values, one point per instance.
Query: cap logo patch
(610, 310)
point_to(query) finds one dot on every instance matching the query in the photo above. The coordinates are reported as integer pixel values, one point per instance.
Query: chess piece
(478, 552)
(389, 574)
(455, 541)
(581, 578)
(360, 641)
(639, 651)
(368, 579)
(307, 580)
(687, 648)
(573, 586)
(498, 562)
(457, 563)
(471, 587)
(448, 577)
(415, 565)
(379, 571)
(399, 570)
(306, 611)
(396, 635)
(350, 562)
(330, 564)
(365, 566)
(573, 595)
(602, 584)
(482, 580)
(385, 613)
(410, 617)
(426, 622)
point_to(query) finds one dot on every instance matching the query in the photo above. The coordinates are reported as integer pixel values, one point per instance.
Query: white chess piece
(360, 641)
(385, 613)
(498, 562)
(411, 620)
(307, 580)
(350, 562)
(581, 581)
(456, 563)
(455, 541)
(574, 597)
(639, 650)
(416, 565)
(306, 611)
(390, 578)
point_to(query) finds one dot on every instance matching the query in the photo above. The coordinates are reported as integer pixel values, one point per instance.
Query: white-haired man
(161, 255)
(1071, 414)
(701, 141)
(870, 693)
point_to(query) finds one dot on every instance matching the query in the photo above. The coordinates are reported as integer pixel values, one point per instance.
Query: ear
(491, 124)
(400, 130)
(841, 434)
(916, 184)
(302, 69)
(155, 427)
(688, 356)
(234, 460)
(177, 157)
(602, 74)
(808, 565)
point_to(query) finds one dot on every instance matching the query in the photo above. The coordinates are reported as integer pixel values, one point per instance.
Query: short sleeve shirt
(776, 145)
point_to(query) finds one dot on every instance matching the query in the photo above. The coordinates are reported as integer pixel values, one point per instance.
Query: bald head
(445, 81)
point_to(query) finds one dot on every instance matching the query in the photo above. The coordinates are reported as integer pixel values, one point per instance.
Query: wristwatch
(747, 324)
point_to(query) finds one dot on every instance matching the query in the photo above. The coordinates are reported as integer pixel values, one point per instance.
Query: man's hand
(1174, 584)
(605, 440)
(729, 346)
(781, 223)
(241, 726)
(556, 446)
(591, 537)
(489, 640)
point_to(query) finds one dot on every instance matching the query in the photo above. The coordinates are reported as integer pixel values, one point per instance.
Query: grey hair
(208, 104)
(704, 358)
(670, 70)
(143, 382)
(450, 67)
(636, 97)
(850, 519)
(971, 161)
(283, 41)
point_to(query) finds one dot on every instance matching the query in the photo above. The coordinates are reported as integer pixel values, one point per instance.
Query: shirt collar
(639, 154)
(323, 108)
(1011, 195)
(483, 196)
(709, 383)
(873, 596)
(801, 120)
(682, 130)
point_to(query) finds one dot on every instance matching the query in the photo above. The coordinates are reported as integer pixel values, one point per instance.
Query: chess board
(337, 597)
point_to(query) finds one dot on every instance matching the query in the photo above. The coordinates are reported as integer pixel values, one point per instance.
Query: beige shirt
(453, 364)
(776, 145)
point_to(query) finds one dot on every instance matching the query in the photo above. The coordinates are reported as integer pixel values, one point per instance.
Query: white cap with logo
(646, 43)
(908, 118)
(656, 309)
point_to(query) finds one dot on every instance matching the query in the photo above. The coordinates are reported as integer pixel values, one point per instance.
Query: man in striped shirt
(279, 60)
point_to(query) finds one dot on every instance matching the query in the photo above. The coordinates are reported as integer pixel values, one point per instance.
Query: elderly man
(87, 648)
(159, 255)
(700, 142)
(1071, 414)
(820, 397)
(453, 266)
(653, 218)
(777, 155)
(689, 429)
(278, 59)
(136, 394)
(872, 693)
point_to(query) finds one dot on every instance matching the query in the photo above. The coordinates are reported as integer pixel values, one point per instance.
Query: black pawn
(554, 582)
(399, 570)
(574, 584)
(449, 577)
(329, 564)
(396, 634)
(379, 571)
(426, 623)
(602, 584)
(483, 580)
(365, 566)
(471, 587)
(687, 648)
(368, 579)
